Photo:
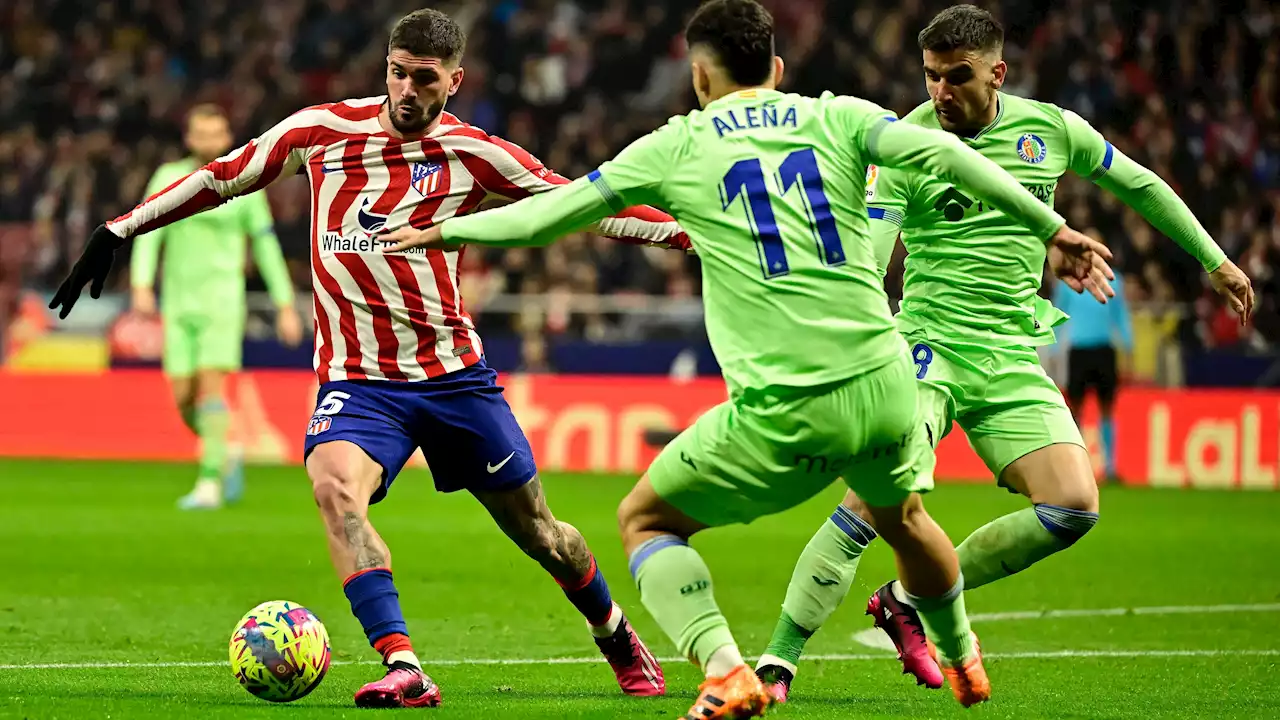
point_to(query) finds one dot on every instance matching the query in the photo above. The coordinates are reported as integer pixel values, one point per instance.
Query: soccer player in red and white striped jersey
(400, 363)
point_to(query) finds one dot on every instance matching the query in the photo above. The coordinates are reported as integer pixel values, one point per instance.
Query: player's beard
(955, 120)
(417, 121)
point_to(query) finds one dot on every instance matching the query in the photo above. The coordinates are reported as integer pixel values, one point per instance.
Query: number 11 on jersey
(746, 179)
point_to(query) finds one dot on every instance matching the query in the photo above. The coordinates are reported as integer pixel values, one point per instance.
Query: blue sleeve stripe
(1107, 158)
(602, 186)
(875, 213)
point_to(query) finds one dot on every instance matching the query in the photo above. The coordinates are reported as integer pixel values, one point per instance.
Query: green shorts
(764, 453)
(202, 342)
(1001, 397)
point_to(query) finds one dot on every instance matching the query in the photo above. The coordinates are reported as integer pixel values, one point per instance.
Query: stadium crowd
(92, 95)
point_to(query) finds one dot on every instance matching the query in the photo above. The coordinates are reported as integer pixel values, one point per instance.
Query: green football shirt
(204, 255)
(972, 271)
(770, 188)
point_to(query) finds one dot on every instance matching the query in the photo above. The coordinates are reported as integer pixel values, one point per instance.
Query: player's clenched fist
(93, 266)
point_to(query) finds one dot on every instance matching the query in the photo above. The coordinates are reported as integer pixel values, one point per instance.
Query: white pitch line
(1037, 655)
(1110, 612)
(873, 638)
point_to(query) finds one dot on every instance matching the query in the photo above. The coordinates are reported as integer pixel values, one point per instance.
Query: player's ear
(998, 72)
(778, 68)
(455, 80)
(701, 80)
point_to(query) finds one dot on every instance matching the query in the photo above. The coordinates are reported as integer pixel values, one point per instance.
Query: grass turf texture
(100, 568)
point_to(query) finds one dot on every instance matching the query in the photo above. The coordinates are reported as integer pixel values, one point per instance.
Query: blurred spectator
(92, 93)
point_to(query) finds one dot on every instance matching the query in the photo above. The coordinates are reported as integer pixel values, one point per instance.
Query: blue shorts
(466, 430)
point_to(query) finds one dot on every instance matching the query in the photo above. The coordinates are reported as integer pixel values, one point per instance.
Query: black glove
(94, 265)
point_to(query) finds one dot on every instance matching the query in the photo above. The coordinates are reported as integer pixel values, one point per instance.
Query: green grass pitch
(114, 604)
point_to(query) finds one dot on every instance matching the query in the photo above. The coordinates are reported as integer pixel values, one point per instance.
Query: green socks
(212, 422)
(821, 580)
(1016, 541)
(945, 622)
(675, 586)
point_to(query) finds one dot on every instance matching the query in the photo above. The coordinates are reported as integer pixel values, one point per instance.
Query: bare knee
(854, 504)
(209, 386)
(632, 515)
(644, 515)
(184, 395)
(341, 481)
(1081, 495)
(333, 493)
(1059, 475)
(1074, 489)
(904, 521)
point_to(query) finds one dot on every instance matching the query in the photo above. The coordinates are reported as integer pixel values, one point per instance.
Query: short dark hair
(740, 33)
(429, 33)
(963, 27)
(205, 110)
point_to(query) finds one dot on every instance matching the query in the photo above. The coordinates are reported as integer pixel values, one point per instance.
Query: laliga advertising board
(1178, 438)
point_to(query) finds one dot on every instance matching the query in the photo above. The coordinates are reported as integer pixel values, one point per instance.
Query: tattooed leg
(524, 516)
(343, 478)
(363, 542)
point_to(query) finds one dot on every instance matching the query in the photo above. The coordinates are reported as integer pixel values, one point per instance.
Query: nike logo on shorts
(495, 468)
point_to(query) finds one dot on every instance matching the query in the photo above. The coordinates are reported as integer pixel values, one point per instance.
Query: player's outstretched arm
(507, 169)
(917, 149)
(537, 220)
(911, 147)
(278, 152)
(632, 178)
(1138, 187)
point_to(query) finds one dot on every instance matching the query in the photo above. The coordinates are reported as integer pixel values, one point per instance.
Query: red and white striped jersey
(380, 316)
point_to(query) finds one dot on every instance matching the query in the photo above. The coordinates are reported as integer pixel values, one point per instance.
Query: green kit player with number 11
(771, 189)
(973, 319)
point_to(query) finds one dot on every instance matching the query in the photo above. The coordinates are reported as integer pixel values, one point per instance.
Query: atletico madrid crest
(319, 424)
(425, 177)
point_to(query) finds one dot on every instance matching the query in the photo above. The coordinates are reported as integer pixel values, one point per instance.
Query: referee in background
(1090, 336)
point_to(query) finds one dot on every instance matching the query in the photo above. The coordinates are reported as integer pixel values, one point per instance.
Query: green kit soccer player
(203, 303)
(771, 188)
(973, 319)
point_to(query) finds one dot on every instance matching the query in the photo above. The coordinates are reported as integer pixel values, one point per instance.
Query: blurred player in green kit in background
(203, 310)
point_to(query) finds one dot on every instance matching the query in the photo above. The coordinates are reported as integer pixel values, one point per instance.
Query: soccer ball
(280, 651)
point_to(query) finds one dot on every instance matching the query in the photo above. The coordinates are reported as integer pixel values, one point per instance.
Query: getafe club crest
(1032, 149)
(425, 177)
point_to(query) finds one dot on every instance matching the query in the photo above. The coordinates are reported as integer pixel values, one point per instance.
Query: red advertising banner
(1194, 438)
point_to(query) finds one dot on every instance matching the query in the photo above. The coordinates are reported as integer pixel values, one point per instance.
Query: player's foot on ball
(404, 685)
(968, 678)
(638, 671)
(206, 495)
(740, 694)
(902, 624)
(777, 681)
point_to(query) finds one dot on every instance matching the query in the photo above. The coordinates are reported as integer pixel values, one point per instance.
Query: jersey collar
(748, 94)
(999, 116)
